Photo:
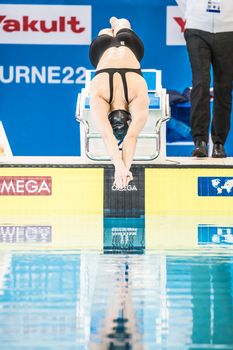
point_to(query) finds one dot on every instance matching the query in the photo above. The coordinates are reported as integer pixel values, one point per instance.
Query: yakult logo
(175, 26)
(25, 185)
(45, 24)
(62, 24)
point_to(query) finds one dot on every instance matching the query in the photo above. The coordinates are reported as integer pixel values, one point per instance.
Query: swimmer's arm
(139, 117)
(128, 149)
(122, 174)
(99, 111)
(111, 145)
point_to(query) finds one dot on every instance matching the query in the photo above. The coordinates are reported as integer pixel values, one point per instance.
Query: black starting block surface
(129, 202)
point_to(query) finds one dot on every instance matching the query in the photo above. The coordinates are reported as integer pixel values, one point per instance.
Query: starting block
(151, 144)
(5, 149)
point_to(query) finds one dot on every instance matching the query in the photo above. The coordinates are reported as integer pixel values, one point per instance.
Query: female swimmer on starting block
(118, 94)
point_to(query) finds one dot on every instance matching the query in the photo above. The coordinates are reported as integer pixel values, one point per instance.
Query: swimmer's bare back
(136, 85)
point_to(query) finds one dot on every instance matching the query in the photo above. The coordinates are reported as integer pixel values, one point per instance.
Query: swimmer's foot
(113, 21)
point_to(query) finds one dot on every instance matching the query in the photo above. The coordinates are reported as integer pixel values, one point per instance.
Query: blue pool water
(69, 300)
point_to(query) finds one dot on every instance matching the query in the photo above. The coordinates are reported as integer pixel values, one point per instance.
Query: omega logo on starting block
(127, 188)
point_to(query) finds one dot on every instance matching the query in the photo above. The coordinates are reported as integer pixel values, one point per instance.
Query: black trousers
(205, 50)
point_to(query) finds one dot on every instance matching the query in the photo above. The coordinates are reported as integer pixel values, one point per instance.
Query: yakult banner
(44, 54)
(175, 26)
(45, 24)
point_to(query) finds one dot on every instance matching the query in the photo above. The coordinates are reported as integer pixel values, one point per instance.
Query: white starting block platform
(151, 145)
(5, 149)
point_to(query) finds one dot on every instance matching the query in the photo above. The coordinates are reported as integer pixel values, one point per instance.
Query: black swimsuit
(121, 71)
(124, 37)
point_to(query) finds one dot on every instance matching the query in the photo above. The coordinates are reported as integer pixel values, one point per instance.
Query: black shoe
(218, 151)
(200, 149)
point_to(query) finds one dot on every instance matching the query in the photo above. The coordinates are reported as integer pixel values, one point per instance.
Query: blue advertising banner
(44, 49)
(215, 186)
(212, 234)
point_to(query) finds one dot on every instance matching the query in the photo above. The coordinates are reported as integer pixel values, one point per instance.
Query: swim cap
(119, 120)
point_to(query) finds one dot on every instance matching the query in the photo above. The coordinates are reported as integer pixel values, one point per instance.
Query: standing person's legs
(223, 80)
(199, 50)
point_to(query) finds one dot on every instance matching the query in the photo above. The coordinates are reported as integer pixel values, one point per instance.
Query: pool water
(155, 299)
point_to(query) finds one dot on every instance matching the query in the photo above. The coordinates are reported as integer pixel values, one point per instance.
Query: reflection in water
(124, 235)
(90, 300)
(26, 234)
(213, 308)
(213, 234)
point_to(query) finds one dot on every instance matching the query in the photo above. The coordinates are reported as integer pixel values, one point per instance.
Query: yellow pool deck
(72, 214)
(77, 189)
